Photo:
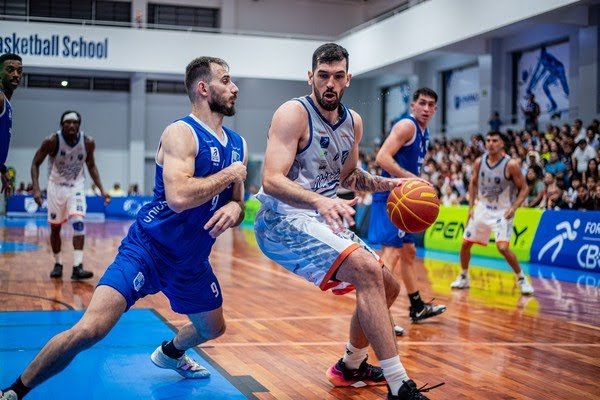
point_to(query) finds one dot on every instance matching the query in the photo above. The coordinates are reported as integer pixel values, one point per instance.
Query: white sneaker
(9, 395)
(461, 282)
(398, 330)
(184, 366)
(525, 286)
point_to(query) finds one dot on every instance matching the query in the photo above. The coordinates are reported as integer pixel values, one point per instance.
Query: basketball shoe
(184, 365)
(409, 391)
(80, 273)
(398, 330)
(365, 375)
(56, 271)
(462, 281)
(525, 286)
(429, 310)
(8, 395)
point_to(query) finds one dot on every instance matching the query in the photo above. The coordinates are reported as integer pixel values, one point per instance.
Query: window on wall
(76, 10)
(163, 86)
(200, 17)
(76, 82)
(13, 7)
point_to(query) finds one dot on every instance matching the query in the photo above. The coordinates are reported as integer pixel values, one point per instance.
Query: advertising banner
(462, 99)
(19, 205)
(544, 71)
(568, 239)
(447, 232)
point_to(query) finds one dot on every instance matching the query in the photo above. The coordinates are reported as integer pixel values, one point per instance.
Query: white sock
(77, 257)
(353, 357)
(394, 373)
(57, 258)
(520, 275)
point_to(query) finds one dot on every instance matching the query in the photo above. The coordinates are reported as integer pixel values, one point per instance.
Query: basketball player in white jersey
(68, 149)
(496, 190)
(312, 149)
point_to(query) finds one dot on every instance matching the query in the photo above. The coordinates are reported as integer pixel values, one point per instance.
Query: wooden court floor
(492, 343)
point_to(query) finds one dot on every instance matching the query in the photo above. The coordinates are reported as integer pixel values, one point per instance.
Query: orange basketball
(413, 206)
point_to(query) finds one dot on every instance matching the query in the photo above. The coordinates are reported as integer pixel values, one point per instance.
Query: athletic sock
(77, 257)
(394, 373)
(171, 351)
(415, 300)
(58, 258)
(353, 356)
(520, 275)
(19, 388)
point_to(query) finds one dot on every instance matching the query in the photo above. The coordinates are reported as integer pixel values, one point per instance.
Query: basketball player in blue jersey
(68, 150)
(312, 149)
(497, 188)
(198, 194)
(11, 72)
(401, 155)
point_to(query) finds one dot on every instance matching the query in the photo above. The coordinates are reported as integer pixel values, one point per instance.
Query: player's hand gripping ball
(413, 206)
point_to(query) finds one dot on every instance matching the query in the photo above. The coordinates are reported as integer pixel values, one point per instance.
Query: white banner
(545, 73)
(462, 101)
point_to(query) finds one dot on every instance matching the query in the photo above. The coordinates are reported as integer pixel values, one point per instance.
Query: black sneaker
(429, 310)
(56, 271)
(409, 391)
(80, 273)
(365, 375)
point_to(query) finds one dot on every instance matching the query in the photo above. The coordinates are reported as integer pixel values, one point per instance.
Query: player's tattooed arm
(362, 181)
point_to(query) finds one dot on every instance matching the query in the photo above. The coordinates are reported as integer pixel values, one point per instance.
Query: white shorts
(305, 245)
(485, 220)
(65, 202)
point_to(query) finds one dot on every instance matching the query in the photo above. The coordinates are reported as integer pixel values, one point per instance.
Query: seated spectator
(552, 193)
(536, 188)
(581, 156)
(449, 196)
(592, 138)
(555, 166)
(596, 197)
(93, 191)
(533, 161)
(583, 201)
(591, 170)
(133, 190)
(116, 191)
(21, 189)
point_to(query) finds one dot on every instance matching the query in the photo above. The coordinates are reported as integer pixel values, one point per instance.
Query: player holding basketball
(11, 71)
(402, 155)
(198, 194)
(312, 148)
(496, 190)
(68, 149)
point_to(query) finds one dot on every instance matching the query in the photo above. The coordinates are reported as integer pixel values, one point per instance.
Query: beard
(219, 105)
(328, 106)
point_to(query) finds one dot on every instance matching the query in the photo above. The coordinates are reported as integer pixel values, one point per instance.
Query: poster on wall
(462, 100)
(396, 104)
(544, 72)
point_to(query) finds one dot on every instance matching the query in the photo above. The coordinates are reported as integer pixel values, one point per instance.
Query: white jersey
(66, 167)
(317, 167)
(494, 189)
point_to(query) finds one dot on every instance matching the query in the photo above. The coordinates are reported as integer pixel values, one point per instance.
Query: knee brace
(78, 226)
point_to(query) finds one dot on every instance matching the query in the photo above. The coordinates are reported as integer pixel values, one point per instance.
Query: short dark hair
(501, 135)
(10, 56)
(425, 91)
(68, 112)
(328, 53)
(199, 69)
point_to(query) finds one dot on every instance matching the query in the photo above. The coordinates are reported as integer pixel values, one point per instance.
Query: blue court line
(116, 368)
(13, 247)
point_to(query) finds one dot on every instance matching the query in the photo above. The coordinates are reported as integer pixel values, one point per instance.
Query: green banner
(447, 232)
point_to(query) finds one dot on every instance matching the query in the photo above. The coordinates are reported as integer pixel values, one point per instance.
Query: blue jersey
(5, 130)
(410, 157)
(180, 238)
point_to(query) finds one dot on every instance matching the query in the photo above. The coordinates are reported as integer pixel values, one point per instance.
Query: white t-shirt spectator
(582, 156)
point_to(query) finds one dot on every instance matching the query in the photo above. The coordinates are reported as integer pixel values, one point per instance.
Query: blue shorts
(137, 272)
(381, 229)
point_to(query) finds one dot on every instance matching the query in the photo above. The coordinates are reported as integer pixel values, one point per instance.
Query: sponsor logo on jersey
(214, 154)
(324, 142)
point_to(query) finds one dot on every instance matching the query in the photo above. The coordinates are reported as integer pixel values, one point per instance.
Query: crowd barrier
(563, 238)
(119, 207)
